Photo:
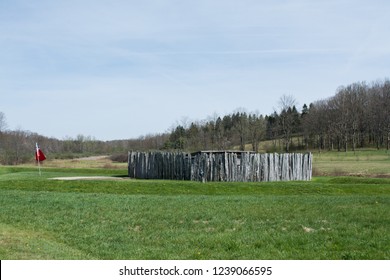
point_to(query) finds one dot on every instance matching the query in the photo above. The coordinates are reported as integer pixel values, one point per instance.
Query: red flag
(39, 155)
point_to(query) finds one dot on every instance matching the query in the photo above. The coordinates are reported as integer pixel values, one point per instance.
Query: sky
(116, 69)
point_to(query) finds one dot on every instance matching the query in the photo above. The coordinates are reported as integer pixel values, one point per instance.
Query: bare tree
(240, 123)
(287, 101)
(257, 129)
(287, 118)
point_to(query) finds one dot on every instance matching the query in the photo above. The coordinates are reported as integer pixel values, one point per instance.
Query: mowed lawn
(327, 218)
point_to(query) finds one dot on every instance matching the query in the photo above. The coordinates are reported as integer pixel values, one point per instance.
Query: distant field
(87, 162)
(363, 163)
(327, 218)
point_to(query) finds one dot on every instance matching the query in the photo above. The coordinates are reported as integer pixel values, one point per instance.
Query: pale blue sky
(116, 69)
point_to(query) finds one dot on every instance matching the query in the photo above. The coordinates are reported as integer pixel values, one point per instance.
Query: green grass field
(363, 163)
(327, 218)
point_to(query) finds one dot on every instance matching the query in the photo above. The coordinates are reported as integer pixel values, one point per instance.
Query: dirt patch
(94, 178)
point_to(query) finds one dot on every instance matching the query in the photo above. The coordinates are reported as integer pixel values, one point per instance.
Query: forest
(357, 116)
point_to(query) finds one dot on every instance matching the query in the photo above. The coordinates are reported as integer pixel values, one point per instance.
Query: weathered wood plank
(224, 166)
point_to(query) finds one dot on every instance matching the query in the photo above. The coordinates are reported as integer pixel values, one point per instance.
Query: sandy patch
(93, 158)
(307, 229)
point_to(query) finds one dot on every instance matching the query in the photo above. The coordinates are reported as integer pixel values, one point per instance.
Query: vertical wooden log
(249, 168)
(284, 167)
(305, 167)
(245, 167)
(276, 163)
(138, 165)
(296, 167)
(176, 167)
(226, 167)
(229, 162)
(181, 164)
(144, 166)
(301, 167)
(289, 167)
(260, 168)
(202, 167)
(189, 166)
(231, 167)
(223, 169)
(194, 169)
(161, 165)
(271, 169)
(184, 166)
(292, 166)
(147, 169)
(152, 165)
(265, 167)
(277, 166)
(242, 167)
(200, 171)
(300, 163)
(206, 168)
(168, 166)
(255, 168)
(211, 167)
(214, 165)
(197, 168)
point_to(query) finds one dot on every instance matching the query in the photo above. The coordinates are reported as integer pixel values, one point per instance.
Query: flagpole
(37, 153)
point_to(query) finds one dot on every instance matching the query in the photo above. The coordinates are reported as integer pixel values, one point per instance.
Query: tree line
(18, 146)
(357, 116)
